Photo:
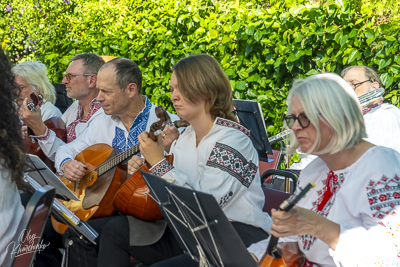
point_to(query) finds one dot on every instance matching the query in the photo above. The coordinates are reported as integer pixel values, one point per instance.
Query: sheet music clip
(199, 225)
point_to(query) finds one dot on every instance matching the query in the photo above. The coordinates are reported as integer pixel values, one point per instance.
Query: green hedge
(262, 48)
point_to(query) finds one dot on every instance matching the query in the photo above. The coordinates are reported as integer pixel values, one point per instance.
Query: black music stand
(250, 116)
(199, 225)
(37, 174)
(41, 173)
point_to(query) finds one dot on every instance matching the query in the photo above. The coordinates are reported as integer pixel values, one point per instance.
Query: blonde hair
(330, 98)
(201, 77)
(35, 74)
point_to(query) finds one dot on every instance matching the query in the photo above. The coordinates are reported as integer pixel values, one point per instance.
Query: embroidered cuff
(44, 136)
(161, 168)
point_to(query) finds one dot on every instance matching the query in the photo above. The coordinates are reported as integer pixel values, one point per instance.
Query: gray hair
(370, 73)
(91, 62)
(330, 98)
(35, 74)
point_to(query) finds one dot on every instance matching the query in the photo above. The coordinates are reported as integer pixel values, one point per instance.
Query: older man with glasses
(382, 120)
(80, 81)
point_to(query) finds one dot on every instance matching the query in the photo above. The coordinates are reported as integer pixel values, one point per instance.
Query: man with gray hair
(80, 81)
(382, 120)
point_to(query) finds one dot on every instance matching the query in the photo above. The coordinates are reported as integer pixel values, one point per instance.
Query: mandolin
(273, 256)
(98, 186)
(133, 196)
(56, 124)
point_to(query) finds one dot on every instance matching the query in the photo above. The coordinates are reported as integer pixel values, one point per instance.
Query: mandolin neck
(116, 160)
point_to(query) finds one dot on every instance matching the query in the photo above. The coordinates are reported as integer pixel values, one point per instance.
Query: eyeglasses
(355, 85)
(302, 119)
(69, 76)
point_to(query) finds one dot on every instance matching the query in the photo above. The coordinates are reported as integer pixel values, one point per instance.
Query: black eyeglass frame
(290, 118)
(69, 76)
(355, 85)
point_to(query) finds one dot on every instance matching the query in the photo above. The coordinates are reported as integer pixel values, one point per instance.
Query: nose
(173, 96)
(100, 97)
(296, 125)
(64, 80)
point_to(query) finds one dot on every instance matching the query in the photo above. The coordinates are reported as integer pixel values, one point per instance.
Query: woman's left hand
(300, 221)
(152, 151)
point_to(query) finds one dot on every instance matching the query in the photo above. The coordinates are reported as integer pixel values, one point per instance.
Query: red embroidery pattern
(234, 125)
(384, 196)
(71, 133)
(335, 182)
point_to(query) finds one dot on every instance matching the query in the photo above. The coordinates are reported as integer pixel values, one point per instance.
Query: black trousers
(80, 252)
(115, 249)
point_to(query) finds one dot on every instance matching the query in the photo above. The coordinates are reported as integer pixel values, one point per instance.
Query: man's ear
(375, 85)
(132, 89)
(92, 81)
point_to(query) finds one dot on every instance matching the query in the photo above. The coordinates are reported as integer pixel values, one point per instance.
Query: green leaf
(384, 63)
(226, 39)
(241, 85)
(213, 33)
(353, 33)
(312, 72)
(249, 49)
(353, 55)
(369, 33)
(258, 36)
(343, 40)
(250, 30)
(390, 38)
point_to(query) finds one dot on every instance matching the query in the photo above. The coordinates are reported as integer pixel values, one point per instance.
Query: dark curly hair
(12, 156)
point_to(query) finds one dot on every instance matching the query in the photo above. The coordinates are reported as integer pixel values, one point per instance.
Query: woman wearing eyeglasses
(31, 77)
(352, 216)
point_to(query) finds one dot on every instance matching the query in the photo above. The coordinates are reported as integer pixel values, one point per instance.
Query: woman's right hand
(134, 164)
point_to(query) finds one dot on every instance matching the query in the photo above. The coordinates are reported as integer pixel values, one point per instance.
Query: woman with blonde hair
(31, 77)
(352, 216)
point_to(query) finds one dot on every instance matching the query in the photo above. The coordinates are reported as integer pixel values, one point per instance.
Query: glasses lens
(303, 121)
(289, 121)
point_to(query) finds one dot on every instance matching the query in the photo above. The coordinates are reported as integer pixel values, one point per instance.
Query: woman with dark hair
(214, 155)
(11, 157)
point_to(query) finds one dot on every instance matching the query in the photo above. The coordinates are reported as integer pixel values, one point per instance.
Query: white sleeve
(376, 246)
(228, 171)
(72, 149)
(50, 145)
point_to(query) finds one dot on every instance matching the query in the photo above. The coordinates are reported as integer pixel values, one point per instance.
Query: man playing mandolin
(127, 114)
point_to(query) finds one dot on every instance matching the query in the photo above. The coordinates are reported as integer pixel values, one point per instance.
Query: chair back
(284, 180)
(62, 100)
(30, 229)
(273, 198)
